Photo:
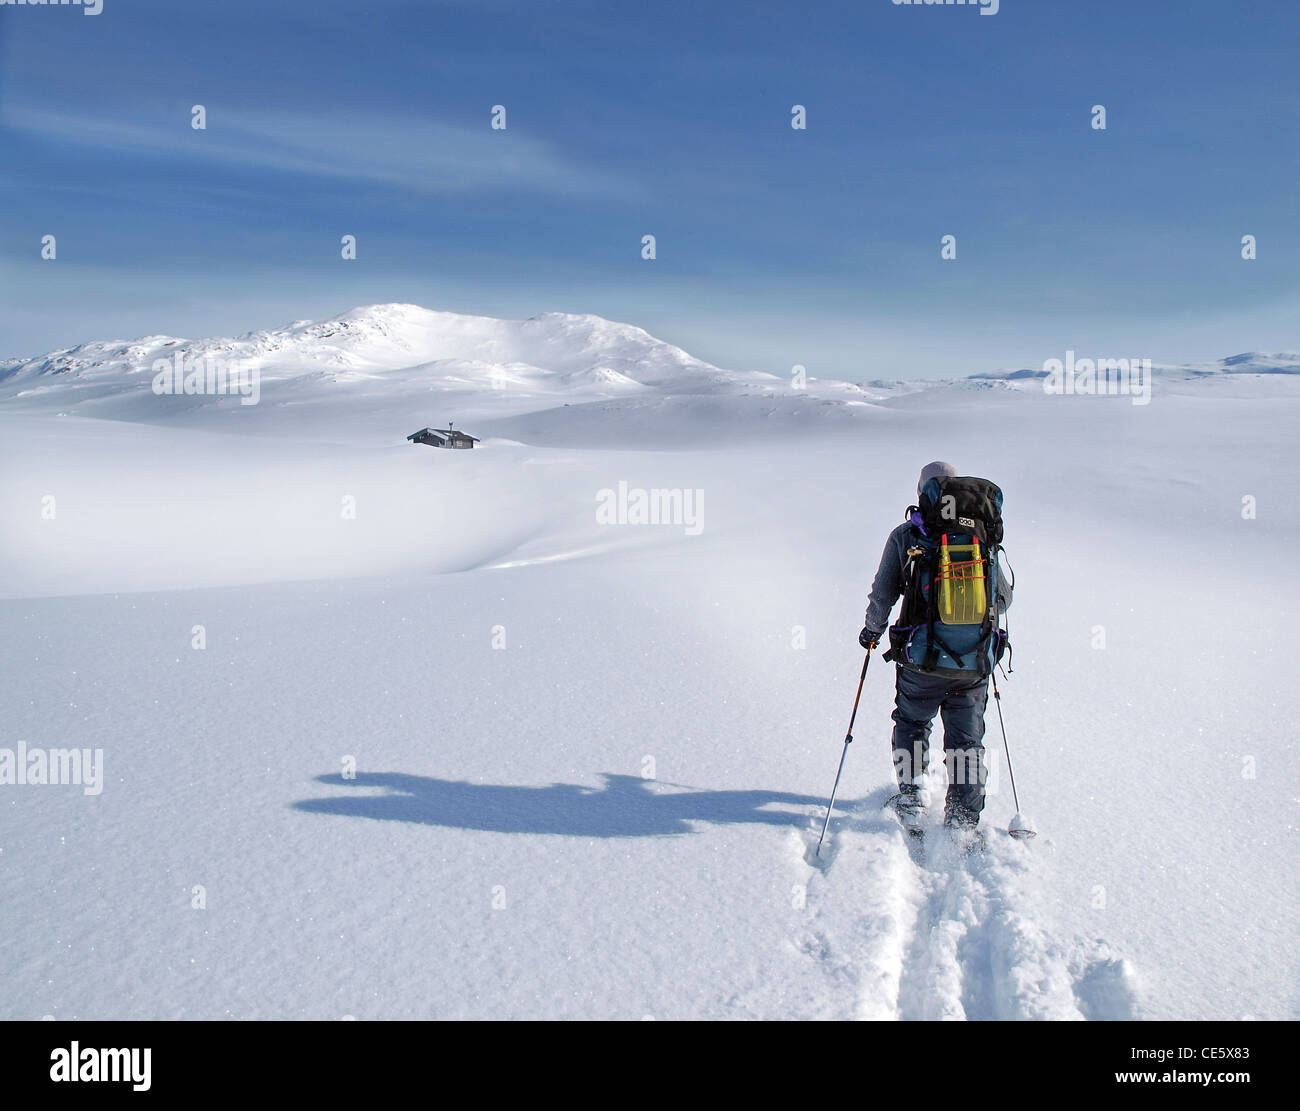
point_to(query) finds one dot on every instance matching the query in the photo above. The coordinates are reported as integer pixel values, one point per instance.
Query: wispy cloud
(421, 155)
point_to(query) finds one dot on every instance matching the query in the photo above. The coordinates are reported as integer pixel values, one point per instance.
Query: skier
(928, 682)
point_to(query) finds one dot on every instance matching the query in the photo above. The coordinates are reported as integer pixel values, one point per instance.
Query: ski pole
(848, 740)
(1019, 827)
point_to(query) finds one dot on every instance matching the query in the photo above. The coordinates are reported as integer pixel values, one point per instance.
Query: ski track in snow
(943, 938)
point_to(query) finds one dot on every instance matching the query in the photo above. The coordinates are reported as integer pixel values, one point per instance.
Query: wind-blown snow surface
(590, 759)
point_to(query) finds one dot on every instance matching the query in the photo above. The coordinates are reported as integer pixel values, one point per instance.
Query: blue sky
(775, 246)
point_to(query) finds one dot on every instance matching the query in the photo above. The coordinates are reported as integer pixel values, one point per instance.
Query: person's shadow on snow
(627, 806)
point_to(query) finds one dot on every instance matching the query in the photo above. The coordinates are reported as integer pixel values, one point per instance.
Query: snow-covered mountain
(381, 338)
(555, 352)
(395, 732)
(368, 364)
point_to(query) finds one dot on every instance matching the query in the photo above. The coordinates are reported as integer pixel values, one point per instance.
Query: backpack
(950, 623)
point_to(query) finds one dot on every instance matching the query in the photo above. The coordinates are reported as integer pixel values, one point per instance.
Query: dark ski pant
(960, 702)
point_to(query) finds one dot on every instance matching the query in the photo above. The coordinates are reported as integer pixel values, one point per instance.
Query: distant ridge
(1248, 362)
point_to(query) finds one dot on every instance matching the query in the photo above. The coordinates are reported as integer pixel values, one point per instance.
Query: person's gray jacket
(887, 587)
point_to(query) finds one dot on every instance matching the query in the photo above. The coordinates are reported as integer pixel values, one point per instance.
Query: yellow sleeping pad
(963, 599)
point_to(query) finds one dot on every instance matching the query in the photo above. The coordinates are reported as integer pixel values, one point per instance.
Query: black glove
(868, 639)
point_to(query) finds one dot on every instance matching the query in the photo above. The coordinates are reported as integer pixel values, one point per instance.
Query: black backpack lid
(963, 504)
